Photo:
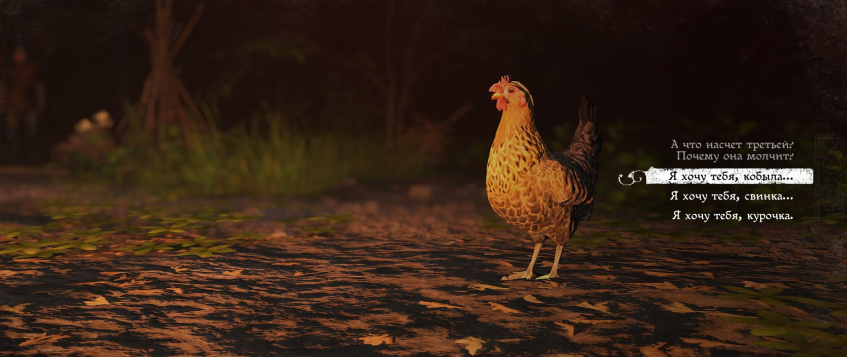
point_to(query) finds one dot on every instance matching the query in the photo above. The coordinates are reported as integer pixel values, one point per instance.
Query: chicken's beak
(496, 95)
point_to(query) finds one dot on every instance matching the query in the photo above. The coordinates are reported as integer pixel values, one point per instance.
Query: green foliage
(206, 252)
(283, 161)
(330, 220)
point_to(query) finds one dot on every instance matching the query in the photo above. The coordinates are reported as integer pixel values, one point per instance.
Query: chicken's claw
(517, 275)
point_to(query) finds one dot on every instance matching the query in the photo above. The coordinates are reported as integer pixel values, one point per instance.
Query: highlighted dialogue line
(746, 176)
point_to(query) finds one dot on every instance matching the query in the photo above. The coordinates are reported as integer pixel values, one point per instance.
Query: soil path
(410, 276)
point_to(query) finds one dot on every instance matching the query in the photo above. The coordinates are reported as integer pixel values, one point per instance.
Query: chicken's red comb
(499, 85)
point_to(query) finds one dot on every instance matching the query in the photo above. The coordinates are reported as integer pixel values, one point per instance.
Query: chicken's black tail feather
(587, 138)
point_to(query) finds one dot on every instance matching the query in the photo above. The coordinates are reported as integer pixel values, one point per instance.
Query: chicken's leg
(528, 273)
(553, 273)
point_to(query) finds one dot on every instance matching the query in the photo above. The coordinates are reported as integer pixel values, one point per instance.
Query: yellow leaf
(98, 301)
(496, 306)
(532, 299)
(664, 286)
(568, 328)
(376, 340)
(653, 350)
(18, 309)
(43, 338)
(708, 343)
(435, 305)
(146, 292)
(679, 307)
(482, 287)
(600, 306)
(474, 345)
(234, 272)
(755, 285)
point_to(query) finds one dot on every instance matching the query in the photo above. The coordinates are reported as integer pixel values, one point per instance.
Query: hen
(544, 192)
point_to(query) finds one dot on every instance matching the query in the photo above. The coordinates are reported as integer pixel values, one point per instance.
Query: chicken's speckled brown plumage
(545, 193)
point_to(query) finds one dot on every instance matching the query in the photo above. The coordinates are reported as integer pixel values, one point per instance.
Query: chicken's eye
(511, 90)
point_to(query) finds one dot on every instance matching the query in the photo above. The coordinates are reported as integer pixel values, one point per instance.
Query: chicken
(543, 192)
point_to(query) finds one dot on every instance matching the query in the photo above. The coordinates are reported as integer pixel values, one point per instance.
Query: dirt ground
(414, 271)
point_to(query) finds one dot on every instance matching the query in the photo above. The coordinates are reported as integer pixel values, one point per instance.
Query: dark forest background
(270, 73)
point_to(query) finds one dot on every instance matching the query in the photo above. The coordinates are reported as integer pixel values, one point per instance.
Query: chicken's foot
(528, 274)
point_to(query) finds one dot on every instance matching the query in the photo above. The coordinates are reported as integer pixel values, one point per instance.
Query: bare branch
(188, 28)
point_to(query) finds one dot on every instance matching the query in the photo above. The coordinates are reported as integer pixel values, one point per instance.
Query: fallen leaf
(496, 306)
(679, 307)
(797, 309)
(146, 292)
(532, 299)
(133, 282)
(708, 343)
(653, 350)
(286, 264)
(600, 306)
(664, 286)
(504, 263)
(604, 267)
(296, 274)
(18, 309)
(567, 355)
(435, 305)
(98, 301)
(234, 272)
(43, 338)
(605, 277)
(553, 284)
(757, 286)
(583, 320)
(569, 329)
(475, 345)
(817, 286)
(7, 273)
(180, 269)
(659, 273)
(708, 274)
(701, 262)
(718, 313)
(760, 286)
(648, 264)
(111, 273)
(376, 340)
(698, 288)
(482, 287)
(677, 351)
(176, 290)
